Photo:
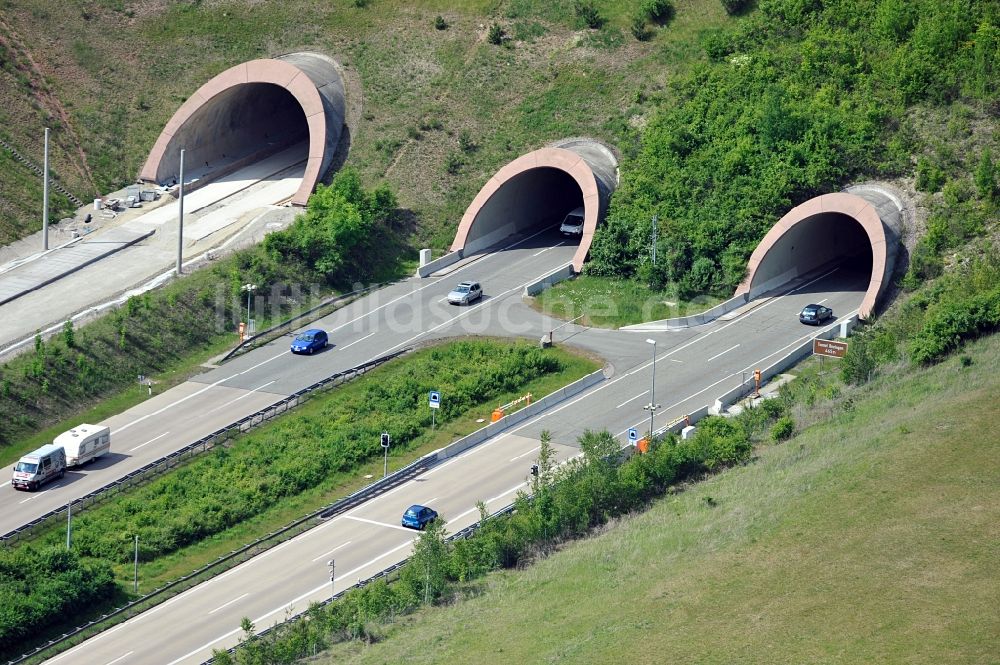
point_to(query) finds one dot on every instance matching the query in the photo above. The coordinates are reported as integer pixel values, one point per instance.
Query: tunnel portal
(536, 190)
(834, 230)
(251, 111)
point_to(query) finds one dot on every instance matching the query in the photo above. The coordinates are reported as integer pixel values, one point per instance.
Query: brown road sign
(828, 347)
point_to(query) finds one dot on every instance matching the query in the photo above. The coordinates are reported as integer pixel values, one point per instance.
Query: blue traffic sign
(633, 435)
(435, 399)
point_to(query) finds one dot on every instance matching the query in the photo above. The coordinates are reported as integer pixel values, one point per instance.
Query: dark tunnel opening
(530, 201)
(822, 241)
(238, 126)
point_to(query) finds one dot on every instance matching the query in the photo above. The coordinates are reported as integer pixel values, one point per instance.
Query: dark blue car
(310, 341)
(417, 517)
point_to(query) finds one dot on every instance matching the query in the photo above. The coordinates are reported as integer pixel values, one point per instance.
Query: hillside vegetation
(868, 537)
(435, 108)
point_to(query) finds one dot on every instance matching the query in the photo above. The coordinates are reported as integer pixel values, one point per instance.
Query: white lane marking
(173, 404)
(547, 249)
(5, 484)
(323, 556)
(822, 301)
(608, 384)
(111, 662)
(148, 442)
(468, 311)
(325, 585)
(362, 519)
(263, 362)
(490, 500)
(514, 459)
(90, 642)
(29, 498)
(748, 367)
(440, 279)
(734, 346)
(229, 603)
(674, 360)
(243, 396)
(632, 399)
(347, 346)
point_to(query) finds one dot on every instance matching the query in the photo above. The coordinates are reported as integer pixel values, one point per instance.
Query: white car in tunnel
(572, 224)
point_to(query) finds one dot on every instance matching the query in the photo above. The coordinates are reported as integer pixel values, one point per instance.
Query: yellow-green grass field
(872, 537)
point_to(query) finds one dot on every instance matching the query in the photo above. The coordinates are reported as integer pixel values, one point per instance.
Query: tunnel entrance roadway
(533, 194)
(834, 230)
(250, 112)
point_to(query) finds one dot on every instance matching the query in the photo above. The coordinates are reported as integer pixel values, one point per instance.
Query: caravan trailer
(84, 443)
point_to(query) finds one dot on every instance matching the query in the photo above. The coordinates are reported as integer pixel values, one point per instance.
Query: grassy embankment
(413, 90)
(290, 467)
(608, 302)
(869, 537)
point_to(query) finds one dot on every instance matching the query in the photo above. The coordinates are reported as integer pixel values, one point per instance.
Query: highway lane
(694, 366)
(392, 318)
(293, 574)
(367, 539)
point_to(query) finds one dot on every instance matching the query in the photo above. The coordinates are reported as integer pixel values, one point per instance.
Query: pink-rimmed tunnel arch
(825, 231)
(537, 189)
(252, 110)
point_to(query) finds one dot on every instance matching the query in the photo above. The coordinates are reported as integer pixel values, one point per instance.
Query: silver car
(465, 293)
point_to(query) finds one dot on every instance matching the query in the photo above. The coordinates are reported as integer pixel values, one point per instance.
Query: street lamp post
(385, 447)
(249, 288)
(652, 406)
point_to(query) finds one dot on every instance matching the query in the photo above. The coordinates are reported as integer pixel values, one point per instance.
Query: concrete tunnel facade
(828, 230)
(538, 189)
(251, 111)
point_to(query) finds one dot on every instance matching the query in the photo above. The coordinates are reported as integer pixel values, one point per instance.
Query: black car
(815, 315)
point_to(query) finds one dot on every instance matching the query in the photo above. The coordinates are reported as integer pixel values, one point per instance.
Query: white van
(37, 468)
(84, 443)
(572, 225)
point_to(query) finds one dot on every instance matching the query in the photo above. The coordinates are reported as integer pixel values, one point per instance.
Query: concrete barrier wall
(439, 263)
(794, 356)
(554, 277)
(695, 319)
(518, 417)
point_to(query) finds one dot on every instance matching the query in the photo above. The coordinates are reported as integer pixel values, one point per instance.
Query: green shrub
(440, 23)
(639, 29)
(735, 6)
(782, 429)
(496, 34)
(986, 179)
(588, 13)
(930, 178)
(41, 587)
(660, 11)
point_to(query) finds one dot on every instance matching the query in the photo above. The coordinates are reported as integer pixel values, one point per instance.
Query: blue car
(417, 517)
(310, 341)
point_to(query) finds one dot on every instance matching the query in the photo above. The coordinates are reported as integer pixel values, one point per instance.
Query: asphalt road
(693, 366)
(393, 318)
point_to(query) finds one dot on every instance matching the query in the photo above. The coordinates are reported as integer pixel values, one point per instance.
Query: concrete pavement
(49, 288)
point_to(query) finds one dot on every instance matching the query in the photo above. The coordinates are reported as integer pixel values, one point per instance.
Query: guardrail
(460, 535)
(302, 524)
(202, 445)
(240, 555)
(249, 342)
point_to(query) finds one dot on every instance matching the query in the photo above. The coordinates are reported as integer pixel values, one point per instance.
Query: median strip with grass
(238, 492)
